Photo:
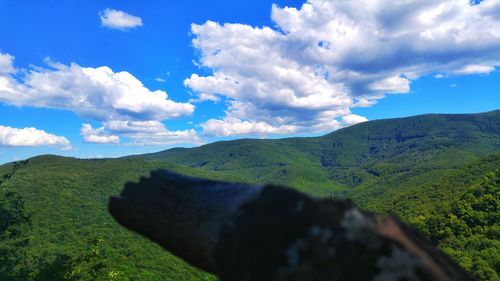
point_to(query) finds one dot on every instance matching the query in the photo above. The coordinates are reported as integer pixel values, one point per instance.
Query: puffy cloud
(6, 64)
(167, 137)
(116, 19)
(30, 137)
(236, 121)
(91, 135)
(352, 119)
(130, 127)
(326, 57)
(391, 85)
(140, 132)
(95, 93)
(152, 133)
(235, 126)
(475, 69)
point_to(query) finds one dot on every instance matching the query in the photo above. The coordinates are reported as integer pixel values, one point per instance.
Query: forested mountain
(437, 172)
(372, 153)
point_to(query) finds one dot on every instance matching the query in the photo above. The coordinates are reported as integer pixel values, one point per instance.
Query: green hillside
(367, 153)
(260, 161)
(458, 211)
(69, 234)
(438, 172)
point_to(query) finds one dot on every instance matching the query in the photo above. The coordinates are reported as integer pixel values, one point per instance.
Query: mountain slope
(459, 212)
(358, 154)
(69, 234)
(262, 161)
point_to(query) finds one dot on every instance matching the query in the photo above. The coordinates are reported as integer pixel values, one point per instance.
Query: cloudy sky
(109, 78)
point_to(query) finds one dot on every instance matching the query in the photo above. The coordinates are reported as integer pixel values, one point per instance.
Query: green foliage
(89, 265)
(470, 230)
(457, 211)
(12, 242)
(66, 200)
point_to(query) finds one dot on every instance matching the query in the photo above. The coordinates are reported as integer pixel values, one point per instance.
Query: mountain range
(438, 172)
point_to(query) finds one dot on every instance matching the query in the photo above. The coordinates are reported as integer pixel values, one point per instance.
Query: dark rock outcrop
(243, 232)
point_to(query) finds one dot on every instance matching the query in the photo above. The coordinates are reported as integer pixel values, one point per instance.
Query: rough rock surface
(242, 232)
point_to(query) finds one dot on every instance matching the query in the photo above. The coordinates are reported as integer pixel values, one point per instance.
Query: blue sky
(112, 78)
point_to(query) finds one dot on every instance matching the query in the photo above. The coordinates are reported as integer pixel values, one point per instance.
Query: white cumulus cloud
(12, 137)
(95, 93)
(235, 126)
(116, 19)
(322, 59)
(98, 94)
(6, 64)
(152, 133)
(475, 69)
(91, 135)
(353, 119)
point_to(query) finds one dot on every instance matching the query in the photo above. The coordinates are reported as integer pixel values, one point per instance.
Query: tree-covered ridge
(360, 154)
(70, 235)
(470, 230)
(458, 211)
(13, 222)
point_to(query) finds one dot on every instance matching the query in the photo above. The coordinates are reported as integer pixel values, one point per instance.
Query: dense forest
(440, 173)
